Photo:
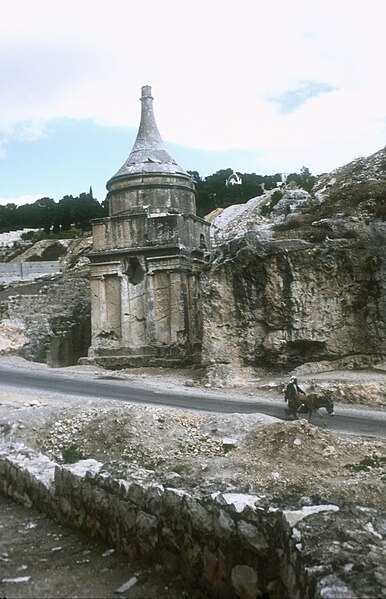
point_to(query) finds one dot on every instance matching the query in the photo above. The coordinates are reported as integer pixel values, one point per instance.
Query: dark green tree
(52, 216)
(11, 217)
(66, 212)
(305, 180)
(86, 209)
(213, 191)
(196, 176)
(47, 213)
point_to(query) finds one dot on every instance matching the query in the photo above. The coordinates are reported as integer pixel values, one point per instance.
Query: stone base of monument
(149, 356)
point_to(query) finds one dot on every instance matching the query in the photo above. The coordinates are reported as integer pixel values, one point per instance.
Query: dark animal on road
(309, 403)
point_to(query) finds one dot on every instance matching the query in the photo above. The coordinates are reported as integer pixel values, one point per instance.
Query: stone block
(201, 517)
(252, 538)
(215, 570)
(245, 582)
(224, 526)
(146, 533)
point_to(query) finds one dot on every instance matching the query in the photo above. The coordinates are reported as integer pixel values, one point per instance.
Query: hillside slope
(300, 277)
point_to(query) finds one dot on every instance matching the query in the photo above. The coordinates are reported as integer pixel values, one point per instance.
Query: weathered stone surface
(27, 271)
(53, 320)
(284, 309)
(224, 526)
(13, 335)
(146, 260)
(239, 501)
(147, 534)
(289, 287)
(323, 556)
(215, 571)
(201, 517)
(251, 537)
(245, 583)
(294, 516)
(299, 285)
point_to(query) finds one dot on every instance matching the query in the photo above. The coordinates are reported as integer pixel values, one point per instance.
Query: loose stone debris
(291, 466)
(191, 449)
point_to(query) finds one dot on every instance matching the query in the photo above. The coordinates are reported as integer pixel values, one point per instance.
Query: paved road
(359, 421)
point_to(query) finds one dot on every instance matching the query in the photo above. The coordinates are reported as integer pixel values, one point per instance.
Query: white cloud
(213, 67)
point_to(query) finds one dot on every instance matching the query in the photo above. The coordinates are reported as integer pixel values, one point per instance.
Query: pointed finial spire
(146, 92)
(148, 138)
(150, 176)
(149, 154)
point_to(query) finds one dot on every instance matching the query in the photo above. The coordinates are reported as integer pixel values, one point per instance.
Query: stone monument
(146, 260)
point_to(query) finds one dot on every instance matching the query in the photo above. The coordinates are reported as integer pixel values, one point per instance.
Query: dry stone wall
(233, 545)
(27, 271)
(54, 319)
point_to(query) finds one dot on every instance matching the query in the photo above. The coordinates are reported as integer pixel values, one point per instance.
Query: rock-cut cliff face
(300, 277)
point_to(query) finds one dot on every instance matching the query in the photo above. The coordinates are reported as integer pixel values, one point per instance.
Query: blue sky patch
(71, 155)
(291, 100)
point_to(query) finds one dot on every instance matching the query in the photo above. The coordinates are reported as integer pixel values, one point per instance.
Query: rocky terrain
(296, 284)
(203, 451)
(40, 558)
(287, 464)
(48, 320)
(301, 278)
(295, 277)
(194, 452)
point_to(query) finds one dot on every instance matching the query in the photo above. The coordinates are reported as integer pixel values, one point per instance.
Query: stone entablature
(143, 230)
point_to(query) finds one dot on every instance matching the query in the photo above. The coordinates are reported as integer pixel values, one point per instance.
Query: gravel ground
(39, 558)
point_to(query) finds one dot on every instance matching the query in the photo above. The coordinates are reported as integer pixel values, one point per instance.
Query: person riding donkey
(291, 391)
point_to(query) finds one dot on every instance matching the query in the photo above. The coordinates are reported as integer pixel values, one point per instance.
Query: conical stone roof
(149, 154)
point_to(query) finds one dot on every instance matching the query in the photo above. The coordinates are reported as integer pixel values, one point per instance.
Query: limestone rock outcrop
(301, 278)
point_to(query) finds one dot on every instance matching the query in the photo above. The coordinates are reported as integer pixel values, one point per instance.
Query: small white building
(234, 179)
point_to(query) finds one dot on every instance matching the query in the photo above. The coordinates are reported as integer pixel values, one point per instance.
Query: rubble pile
(121, 434)
(227, 453)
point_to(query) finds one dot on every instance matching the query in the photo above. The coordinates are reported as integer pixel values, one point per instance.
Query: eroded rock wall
(48, 319)
(285, 302)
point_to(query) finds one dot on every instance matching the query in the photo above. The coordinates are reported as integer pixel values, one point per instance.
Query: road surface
(357, 420)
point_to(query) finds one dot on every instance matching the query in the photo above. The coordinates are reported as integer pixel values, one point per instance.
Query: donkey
(309, 403)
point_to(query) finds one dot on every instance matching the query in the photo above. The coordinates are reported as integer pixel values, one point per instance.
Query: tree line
(213, 192)
(53, 217)
(77, 212)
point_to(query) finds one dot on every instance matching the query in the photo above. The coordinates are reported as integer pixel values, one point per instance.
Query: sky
(255, 85)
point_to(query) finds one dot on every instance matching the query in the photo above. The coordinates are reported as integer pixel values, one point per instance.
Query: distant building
(283, 180)
(234, 179)
(146, 260)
